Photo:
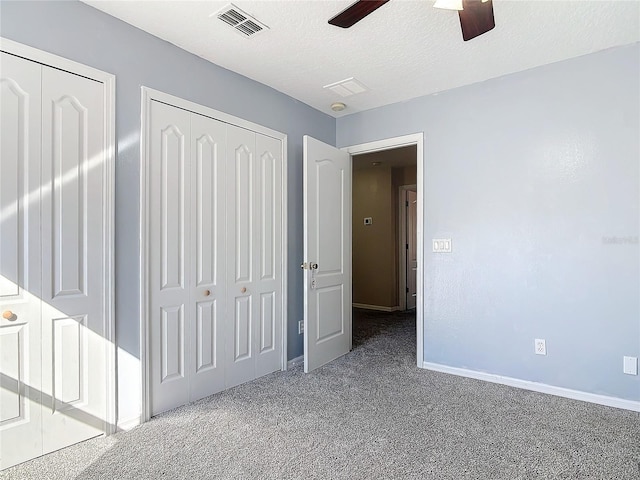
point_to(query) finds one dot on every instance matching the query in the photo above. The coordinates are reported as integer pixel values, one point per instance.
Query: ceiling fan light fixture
(452, 4)
(338, 106)
(448, 4)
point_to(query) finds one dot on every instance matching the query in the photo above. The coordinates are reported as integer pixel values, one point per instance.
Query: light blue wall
(86, 35)
(531, 175)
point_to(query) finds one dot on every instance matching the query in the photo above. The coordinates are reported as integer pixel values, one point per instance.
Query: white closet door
(267, 256)
(254, 261)
(169, 267)
(20, 353)
(74, 351)
(207, 257)
(242, 234)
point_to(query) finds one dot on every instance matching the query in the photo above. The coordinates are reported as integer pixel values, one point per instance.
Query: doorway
(383, 229)
(327, 241)
(416, 143)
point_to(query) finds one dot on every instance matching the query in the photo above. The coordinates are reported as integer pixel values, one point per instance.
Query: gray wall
(532, 175)
(86, 35)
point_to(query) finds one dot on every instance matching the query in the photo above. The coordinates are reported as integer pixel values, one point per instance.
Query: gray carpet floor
(371, 414)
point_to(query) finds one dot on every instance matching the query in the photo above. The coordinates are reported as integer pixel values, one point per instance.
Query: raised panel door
(20, 288)
(327, 252)
(242, 236)
(74, 348)
(267, 255)
(207, 256)
(169, 262)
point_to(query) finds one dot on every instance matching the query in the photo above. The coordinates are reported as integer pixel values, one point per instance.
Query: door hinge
(407, 289)
(406, 245)
(406, 203)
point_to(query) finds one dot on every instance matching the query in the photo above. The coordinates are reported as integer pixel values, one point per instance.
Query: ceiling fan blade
(356, 12)
(476, 18)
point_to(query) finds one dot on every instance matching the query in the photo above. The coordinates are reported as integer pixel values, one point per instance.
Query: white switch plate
(540, 346)
(300, 327)
(368, 221)
(442, 245)
(630, 365)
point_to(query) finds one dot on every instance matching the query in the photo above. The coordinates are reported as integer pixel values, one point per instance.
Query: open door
(327, 253)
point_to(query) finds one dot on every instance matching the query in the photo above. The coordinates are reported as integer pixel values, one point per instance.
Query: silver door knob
(207, 293)
(243, 289)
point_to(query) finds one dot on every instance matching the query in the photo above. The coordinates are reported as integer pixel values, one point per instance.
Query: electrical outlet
(630, 365)
(540, 346)
(300, 327)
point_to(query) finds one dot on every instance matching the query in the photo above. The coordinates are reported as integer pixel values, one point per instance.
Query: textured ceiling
(403, 50)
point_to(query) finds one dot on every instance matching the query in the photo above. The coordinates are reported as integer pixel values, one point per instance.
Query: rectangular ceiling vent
(240, 21)
(347, 87)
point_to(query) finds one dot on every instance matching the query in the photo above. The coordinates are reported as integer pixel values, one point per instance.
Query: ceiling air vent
(240, 21)
(347, 87)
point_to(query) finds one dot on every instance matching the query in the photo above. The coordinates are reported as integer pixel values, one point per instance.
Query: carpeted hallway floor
(369, 415)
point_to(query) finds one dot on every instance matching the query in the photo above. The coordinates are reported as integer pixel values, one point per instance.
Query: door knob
(243, 289)
(207, 293)
(8, 315)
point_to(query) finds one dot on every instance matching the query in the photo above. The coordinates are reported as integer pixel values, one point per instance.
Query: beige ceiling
(404, 50)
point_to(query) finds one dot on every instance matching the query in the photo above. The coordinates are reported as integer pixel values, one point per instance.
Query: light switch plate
(442, 245)
(630, 365)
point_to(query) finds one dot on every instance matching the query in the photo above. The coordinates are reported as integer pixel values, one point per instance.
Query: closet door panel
(74, 156)
(207, 256)
(170, 308)
(267, 256)
(241, 238)
(20, 289)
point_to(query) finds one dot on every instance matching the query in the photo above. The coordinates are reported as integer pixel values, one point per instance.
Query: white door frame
(416, 139)
(109, 82)
(402, 250)
(148, 95)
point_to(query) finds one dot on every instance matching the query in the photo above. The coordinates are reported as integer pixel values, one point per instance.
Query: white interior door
(327, 253)
(206, 307)
(241, 235)
(169, 268)
(412, 251)
(267, 260)
(20, 336)
(215, 261)
(53, 278)
(74, 347)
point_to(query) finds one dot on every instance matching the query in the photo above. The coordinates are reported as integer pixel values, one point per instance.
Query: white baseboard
(537, 387)
(295, 361)
(379, 308)
(128, 424)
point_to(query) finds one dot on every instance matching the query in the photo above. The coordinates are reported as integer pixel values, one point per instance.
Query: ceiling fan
(476, 16)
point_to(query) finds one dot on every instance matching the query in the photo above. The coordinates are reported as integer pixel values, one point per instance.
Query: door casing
(416, 139)
(147, 96)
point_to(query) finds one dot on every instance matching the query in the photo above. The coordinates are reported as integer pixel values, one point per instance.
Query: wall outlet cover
(300, 327)
(630, 365)
(540, 346)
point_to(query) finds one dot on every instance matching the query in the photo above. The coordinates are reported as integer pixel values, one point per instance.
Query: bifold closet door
(73, 270)
(254, 263)
(187, 246)
(20, 263)
(52, 290)
(208, 245)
